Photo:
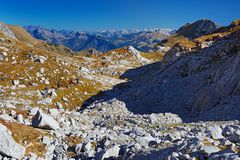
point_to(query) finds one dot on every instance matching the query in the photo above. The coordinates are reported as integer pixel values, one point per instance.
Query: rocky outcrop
(137, 55)
(6, 31)
(8, 146)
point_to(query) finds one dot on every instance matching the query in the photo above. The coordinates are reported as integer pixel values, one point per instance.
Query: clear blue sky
(116, 14)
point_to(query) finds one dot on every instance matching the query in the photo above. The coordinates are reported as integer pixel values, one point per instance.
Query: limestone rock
(42, 120)
(15, 82)
(216, 132)
(8, 146)
(208, 150)
(112, 152)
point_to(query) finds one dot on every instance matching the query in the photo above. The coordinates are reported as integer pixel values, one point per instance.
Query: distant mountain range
(103, 41)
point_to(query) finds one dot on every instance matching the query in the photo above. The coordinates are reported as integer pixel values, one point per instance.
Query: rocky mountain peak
(198, 28)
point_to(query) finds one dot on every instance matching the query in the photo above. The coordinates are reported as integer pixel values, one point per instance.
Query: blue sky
(116, 14)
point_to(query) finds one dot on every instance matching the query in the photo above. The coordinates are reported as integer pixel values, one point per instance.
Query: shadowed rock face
(199, 84)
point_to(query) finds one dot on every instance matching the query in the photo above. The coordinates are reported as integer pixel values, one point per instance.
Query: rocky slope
(201, 82)
(103, 41)
(120, 104)
(38, 76)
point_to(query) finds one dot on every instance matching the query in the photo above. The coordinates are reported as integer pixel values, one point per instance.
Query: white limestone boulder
(42, 120)
(8, 145)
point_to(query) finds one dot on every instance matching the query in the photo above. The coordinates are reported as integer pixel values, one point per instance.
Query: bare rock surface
(6, 31)
(8, 146)
(44, 121)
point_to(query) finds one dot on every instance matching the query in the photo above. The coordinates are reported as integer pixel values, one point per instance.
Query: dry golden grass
(222, 33)
(154, 56)
(235, 23)
(176, 39)
(72, 141)
(22, 35)
(117, 54)
(76, 94)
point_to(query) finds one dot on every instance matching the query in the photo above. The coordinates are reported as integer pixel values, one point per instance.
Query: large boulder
(216, 132)
(208, 150)
(112, 152)
(42, 120)
(137, 55)
(8, 146)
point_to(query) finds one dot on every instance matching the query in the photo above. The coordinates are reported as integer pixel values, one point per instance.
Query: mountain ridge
(101, 40)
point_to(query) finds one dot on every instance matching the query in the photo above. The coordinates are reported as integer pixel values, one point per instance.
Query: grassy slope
(22, 35)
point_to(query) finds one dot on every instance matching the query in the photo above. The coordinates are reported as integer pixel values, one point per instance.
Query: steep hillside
(199, 86)
(23, 36)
